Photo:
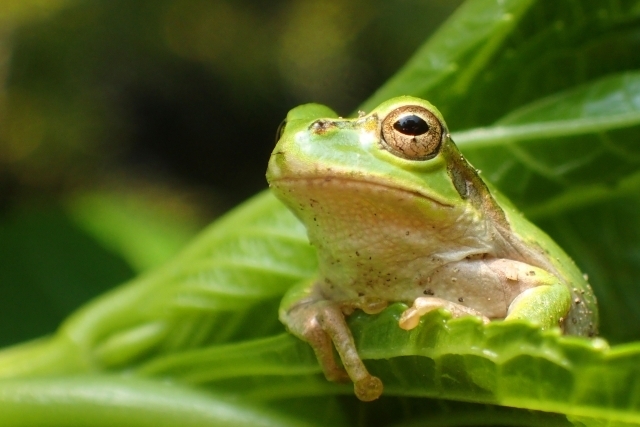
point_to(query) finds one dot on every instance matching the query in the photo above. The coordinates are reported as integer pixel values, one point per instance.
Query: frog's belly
(487, 285)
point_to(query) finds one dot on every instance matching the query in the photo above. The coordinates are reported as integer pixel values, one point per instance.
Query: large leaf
(492, 57)
(234, 273)
(456, 53)
(48, 268)
(505, 363)
(574, 148)
(145, 230)
(108, 401)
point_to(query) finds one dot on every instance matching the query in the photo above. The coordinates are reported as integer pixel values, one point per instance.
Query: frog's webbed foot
(322, 323)
(423, 305)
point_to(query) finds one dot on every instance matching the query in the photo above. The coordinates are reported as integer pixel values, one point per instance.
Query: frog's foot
(423, 305)
(322, 323)
(368, 389)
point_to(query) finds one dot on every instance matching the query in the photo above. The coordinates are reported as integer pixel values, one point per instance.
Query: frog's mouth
(358, 184)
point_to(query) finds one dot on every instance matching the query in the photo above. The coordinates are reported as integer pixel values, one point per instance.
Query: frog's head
(402, 144)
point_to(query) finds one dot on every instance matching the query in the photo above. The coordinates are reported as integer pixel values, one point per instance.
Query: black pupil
(411, 125)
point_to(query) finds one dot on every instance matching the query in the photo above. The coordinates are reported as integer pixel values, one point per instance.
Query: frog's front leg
(493, 288)
(321, 323)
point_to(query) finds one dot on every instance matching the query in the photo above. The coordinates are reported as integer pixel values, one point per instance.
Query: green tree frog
(397, 214)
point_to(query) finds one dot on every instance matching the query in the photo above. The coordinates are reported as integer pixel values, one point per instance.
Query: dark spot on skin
(574, 320)
(531, 273)
(428, 292)
(460, 299)
(360, 294)
(407, 233)
(357, 253)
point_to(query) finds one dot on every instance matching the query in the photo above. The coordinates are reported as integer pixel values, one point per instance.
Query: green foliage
(550, 95)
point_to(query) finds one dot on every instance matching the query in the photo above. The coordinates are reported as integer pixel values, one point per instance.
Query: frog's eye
(412, 132)
(280, 130)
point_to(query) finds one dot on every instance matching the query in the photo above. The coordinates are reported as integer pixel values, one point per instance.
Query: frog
(398, 215)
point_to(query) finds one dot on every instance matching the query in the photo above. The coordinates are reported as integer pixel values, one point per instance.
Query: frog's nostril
(322, 126)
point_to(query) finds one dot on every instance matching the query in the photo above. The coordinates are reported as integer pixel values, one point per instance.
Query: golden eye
(412, 132)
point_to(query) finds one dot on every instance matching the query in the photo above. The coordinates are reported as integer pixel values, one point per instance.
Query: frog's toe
(368, 388)
(410, 318)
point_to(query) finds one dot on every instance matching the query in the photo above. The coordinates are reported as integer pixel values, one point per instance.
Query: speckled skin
(426, 232)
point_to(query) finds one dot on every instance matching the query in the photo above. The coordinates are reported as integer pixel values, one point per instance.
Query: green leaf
(234, 272)
(111, 401)
(507, 363)
(143, 230)
(49, 267)
(574, 148)
(492, 57)
(457, 52)
(554, 47)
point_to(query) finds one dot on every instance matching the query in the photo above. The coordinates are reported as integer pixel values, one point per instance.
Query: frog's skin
(396, 213)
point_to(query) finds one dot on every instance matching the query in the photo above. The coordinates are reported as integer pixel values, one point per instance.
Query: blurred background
(127, 125)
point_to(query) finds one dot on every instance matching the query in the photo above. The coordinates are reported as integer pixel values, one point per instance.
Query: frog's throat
(311, 180)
